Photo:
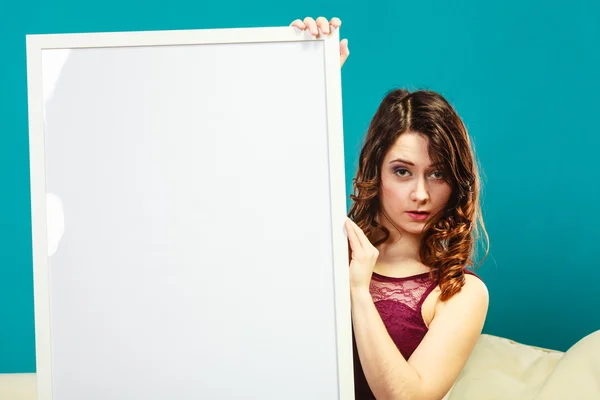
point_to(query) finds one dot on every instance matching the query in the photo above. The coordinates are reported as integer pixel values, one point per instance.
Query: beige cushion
(502, 369)
(18, 387)
(577, 375)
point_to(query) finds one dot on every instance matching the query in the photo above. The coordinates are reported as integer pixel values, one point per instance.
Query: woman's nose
(420, 193)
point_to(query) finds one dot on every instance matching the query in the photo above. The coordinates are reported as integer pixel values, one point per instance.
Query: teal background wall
(523, 75)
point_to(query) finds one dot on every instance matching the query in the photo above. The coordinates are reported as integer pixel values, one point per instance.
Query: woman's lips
(418, 215)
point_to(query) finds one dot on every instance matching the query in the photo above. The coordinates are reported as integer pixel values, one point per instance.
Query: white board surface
(188, 202)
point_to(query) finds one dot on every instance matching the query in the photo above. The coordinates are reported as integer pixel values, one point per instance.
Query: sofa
(498, 369)
(501, 369)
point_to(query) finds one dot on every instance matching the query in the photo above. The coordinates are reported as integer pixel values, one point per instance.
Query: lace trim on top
(410, 291)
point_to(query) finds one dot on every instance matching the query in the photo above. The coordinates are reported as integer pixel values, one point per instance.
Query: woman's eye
(401, 172)
(438, 175)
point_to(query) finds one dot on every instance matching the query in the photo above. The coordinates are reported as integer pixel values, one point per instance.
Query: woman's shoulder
(472, 276)
(474, 290)
(472, 273)
(474, 287)
(472, 296)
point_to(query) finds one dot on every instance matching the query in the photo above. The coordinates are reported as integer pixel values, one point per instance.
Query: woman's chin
(413, 228)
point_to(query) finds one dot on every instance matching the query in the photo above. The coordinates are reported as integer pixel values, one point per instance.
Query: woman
(417, 312)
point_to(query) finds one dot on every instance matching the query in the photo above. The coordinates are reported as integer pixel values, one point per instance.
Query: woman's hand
(321, 25)
(364, 257)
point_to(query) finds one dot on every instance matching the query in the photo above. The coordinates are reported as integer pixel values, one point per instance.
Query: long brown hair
(449, 239)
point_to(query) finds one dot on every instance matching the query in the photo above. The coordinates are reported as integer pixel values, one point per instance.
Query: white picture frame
(58, 363)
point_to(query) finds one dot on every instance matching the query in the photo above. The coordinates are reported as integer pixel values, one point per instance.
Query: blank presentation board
(188, 203)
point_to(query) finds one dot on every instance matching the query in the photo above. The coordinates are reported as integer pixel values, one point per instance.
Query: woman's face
(412, 190)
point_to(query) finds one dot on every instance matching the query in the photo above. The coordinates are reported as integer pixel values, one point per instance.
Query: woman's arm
(438, 360)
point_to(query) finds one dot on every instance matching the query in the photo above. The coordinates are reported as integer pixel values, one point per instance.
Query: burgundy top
(398, 301)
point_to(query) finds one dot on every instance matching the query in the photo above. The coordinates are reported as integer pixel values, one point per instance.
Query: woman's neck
(399, 254)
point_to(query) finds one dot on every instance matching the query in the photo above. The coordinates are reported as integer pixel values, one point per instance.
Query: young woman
(417, 311)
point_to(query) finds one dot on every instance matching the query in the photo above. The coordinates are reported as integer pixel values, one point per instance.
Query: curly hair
(449, 238)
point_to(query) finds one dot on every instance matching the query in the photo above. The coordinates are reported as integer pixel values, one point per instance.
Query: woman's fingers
(311, 25)
(326, 27)
(364, 241)
(335, 22)
(354, 242)
(360, 236)
(344, 51)
(323, 25)
(298, 24)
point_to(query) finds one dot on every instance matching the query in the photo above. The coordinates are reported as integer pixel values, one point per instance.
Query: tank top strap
(468, 271)
(431, 285)
(434, 284)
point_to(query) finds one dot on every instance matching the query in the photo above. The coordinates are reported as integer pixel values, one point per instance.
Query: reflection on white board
(55, 223)
(54, 61)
